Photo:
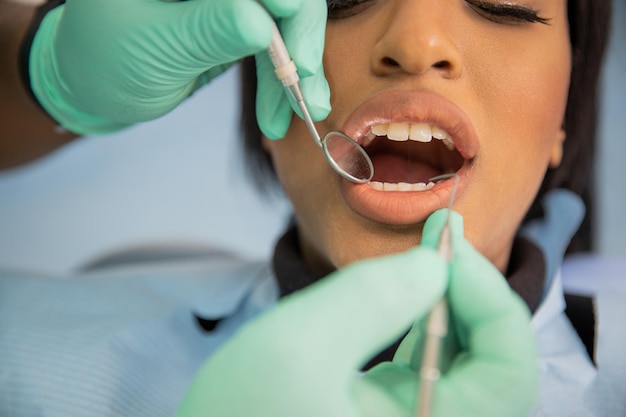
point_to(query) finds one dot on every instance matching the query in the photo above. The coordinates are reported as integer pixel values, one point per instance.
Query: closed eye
(506, 12)
(341, 9)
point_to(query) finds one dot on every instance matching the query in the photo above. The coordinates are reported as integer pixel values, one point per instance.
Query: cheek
(347, 62)
(297, 161)
(305, 177)
(526, 91)
(523, 104)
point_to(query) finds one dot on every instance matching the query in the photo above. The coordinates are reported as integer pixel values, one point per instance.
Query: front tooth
(398, 131)
(404, 186)
(377, 185)
(380, 130)
(390, 186)
(401, 186)
(420, 132)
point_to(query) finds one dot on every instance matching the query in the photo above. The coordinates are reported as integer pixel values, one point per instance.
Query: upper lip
(414, 107)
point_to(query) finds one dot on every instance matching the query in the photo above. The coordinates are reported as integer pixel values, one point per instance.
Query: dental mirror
(347, 157)
(343, 154)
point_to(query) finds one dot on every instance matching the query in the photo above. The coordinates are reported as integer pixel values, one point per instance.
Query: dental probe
(436, 326)
(343, 153)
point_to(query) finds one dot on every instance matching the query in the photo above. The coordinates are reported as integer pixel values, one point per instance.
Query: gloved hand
(302, 357)
(101, 65)
(488, 359)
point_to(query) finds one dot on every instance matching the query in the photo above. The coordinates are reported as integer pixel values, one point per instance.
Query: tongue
(394, 168)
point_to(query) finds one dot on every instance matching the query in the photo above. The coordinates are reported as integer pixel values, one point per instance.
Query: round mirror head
(347, 157)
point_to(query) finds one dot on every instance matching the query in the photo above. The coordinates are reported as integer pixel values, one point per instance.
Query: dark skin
(26, 131)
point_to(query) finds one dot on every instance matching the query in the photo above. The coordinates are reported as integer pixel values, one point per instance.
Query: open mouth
(411, 137)
(406, 156)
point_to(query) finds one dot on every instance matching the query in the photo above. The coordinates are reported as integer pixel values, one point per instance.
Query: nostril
(390, 62)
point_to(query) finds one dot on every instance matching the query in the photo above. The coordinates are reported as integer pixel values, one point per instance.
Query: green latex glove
(98, 66)
(302, 357)
(488, 361)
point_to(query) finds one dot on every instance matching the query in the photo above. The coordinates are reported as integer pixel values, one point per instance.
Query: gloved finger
(273, 104)
(410, 351)
(316, 95)
(319, 335)
(393, 391)
(475, 278)
(431, 234)
(304, 33)
(355, 312)
(500, 352)
(500, 343)
(303, 27)
(210, 74)
(273, 109)
(283, 8)
(386, 390)
(217, 32)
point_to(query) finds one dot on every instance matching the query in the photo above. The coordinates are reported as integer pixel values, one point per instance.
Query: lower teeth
(401, 186)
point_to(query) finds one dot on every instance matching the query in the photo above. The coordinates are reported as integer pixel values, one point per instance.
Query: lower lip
(398, 208)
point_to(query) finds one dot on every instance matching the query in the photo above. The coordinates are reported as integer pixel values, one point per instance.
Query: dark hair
(589, 28)
(258, 162)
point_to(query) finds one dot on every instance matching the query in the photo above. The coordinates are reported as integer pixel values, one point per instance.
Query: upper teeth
(420, 132)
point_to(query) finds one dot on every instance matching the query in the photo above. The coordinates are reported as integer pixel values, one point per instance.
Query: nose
(418, 39)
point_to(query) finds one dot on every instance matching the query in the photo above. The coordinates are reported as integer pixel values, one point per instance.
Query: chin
(373, 247)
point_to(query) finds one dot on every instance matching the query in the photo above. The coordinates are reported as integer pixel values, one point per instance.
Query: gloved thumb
(365, 306)
(322, 335)
(410, 350)
(434, 226)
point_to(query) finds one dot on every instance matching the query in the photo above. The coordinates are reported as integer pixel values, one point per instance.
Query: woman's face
(489, 76)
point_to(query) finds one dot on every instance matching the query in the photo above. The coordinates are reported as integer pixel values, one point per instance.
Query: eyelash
(506, 13)
(341, 9)
(498, 13)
